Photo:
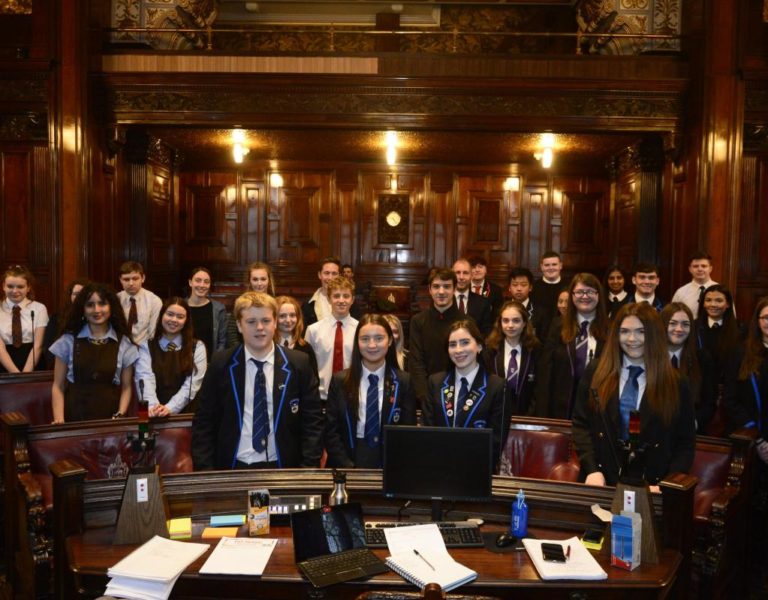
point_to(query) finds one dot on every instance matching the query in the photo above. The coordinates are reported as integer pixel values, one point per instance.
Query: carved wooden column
(651, 161)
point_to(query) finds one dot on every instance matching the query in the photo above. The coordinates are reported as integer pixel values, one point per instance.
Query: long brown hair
(689, 360)
(661, 388)
(569, 328)
(264, 267)
(528, 339)
(755, 351)
(355, 371)
(188, 341)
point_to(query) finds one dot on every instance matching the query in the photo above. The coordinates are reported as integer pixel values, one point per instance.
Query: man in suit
(520, 287)
(482, 286)
(259, 405)
(471, 304)
(646, 280)
(319, 305)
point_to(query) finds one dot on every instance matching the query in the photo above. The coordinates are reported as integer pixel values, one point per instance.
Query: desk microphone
(32, 315)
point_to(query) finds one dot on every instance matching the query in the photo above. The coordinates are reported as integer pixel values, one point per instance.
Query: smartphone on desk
(553, 552)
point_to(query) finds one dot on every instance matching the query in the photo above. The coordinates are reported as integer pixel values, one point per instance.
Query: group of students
(603, 357)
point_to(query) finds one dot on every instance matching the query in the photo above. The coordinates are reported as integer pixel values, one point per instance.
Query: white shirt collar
(270, 357)
(85, 332)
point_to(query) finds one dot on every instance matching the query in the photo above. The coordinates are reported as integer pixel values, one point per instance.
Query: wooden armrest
(679, 481)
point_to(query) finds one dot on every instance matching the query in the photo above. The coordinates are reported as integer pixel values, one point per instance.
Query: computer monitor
(438, 463)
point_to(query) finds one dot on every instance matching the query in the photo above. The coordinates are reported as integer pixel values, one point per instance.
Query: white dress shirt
(245, 451)
(27, 306)
(321, 336)
(321, 304)
(364, 385)
(148, 307)
(689, 293)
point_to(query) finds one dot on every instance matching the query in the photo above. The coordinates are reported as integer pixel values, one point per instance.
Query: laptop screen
(327, 530)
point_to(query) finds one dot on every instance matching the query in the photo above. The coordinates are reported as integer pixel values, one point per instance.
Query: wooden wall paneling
(440, 231)
(626, 220)
(584, 209)
(499, 266)
(541, 225)
(346, 193)
(42, 236)
(254, 193)
(161, 253)
(753, 231)
(16, 205)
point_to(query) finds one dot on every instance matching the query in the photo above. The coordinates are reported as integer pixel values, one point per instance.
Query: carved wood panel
(538, 227)
(16, 206)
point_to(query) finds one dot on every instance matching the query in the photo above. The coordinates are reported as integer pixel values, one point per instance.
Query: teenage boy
(471, 304)
(258, 407)
(482, 286)
(547, 289)
(520, 286)
(142, 307)
(332, 338)
(646, 280)
(319, 306)
(428, 338)
(692, 293)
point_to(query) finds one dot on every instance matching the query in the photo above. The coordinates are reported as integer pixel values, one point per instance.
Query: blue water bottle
(519, 526)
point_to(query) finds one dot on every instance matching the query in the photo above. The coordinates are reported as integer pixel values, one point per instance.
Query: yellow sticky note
(219, 532)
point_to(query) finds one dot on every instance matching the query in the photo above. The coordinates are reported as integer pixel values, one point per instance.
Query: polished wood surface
(506, 575)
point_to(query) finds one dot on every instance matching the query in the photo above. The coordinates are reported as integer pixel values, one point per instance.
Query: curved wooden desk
(85, 513)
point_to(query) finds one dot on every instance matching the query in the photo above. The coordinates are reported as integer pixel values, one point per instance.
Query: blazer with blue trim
(297, 415)
(397, 408)
(486, 408)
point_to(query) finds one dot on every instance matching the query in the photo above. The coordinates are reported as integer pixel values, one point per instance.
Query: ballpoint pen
(568, 552)
(421, 556)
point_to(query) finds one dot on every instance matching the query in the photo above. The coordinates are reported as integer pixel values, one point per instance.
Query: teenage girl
(22, 322)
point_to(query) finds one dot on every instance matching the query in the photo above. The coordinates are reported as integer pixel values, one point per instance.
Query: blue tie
(372, 425)
(582, 343)
(628, 399)
(463, 393)
(260, 414)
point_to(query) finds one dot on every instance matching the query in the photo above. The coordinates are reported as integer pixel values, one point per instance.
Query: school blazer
(518, 401)
(297, 416)
(398, 408)
(487, 394)
(669, 448)
(740, 396)
(555, 390)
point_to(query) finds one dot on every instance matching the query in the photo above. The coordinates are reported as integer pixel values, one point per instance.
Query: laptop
(329, 545)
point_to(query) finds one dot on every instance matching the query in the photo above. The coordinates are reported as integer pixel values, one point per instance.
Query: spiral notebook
(418, 554)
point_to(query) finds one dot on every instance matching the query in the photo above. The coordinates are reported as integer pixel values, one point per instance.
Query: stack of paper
(580, 564)
(149, 572)
(239, 556)
(419, 555)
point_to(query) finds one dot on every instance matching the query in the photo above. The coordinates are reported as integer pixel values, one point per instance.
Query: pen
(568, 552)
(421, 556)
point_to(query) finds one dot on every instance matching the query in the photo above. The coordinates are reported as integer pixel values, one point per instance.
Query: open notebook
(581, 564)
(419, 555)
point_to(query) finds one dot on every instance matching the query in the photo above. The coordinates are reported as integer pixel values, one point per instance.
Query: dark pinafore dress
(93, 395)
(18, 355)
(167, 369)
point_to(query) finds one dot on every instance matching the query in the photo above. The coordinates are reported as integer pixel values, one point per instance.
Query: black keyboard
(456, 534)
(359, 558)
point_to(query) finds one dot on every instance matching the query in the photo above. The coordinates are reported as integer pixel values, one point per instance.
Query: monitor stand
(437, 510)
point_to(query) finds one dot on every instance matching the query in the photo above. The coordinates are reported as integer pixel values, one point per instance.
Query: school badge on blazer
(396, 415)
(294, 404)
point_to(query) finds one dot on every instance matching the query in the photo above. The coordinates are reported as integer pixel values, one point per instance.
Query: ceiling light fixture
(512, 184)
(547, 154)
(275, 180)
(239, 149)
(391, 140)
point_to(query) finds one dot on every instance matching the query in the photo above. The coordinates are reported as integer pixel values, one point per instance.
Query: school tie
(675, 362)
(260, 430)
(478, 290)
(702, 289)
(16, 327)
(372, 419)
(512, 369)
(171, 347)
(628, 399)
(462, 306)
(338, 348)
(463, 393)
(285, 343)
(582, 343)
(133, 315)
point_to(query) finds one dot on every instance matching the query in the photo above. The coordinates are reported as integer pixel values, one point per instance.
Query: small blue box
(227, 520)
(626, 529)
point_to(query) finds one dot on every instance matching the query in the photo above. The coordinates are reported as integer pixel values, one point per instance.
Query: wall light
(238, 152)
(547, 154)
(393, 183)
(391, 140)
(275, 180)
(512, 184)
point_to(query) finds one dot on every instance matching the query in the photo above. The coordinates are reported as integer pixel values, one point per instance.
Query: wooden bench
(28, 394)
(101, 447)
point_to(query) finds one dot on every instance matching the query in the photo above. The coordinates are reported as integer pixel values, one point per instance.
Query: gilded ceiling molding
(15, 7)
(347, 102)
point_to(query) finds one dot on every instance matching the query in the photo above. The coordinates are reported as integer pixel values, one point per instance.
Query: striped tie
(260, 414)
(372, 420)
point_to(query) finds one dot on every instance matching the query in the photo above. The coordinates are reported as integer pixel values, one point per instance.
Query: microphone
(32, 315)
(143, 408)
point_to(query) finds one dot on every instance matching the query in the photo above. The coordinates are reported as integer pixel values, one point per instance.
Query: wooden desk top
(509, 574)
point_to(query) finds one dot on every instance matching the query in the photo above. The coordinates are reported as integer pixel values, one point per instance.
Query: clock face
(394, 218)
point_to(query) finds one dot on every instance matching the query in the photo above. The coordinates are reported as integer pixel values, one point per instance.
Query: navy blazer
(670, 448)
(746, 400)
(297, 416)
(397, 408)
(518, 401)
(486, 410)
(556, 388)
